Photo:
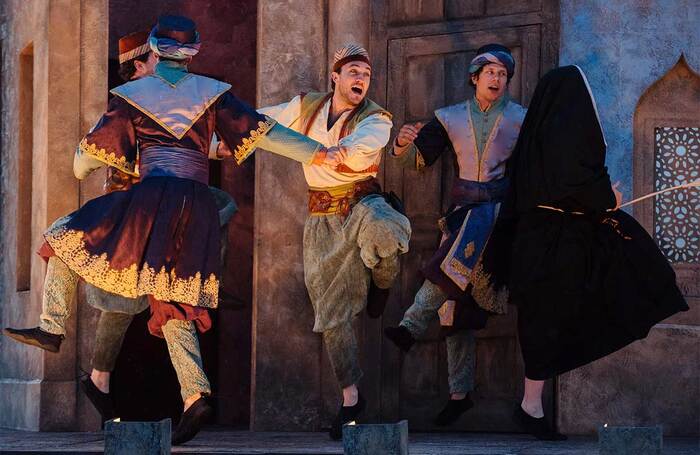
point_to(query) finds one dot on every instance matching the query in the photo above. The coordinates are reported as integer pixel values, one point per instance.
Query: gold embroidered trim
(249, 143)
(420, 161)
(488, 298)
(459, 267)
(69, 246)
(109, 159)
(442, 225)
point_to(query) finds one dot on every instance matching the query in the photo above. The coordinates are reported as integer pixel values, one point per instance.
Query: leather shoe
(537, 427)
(400, 336)
(100, 400)
(452, 411)
(36, 337)
(346, 414)
(191, 421)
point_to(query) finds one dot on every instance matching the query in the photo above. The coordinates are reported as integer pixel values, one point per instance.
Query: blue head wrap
(168, 47)
(493, 53)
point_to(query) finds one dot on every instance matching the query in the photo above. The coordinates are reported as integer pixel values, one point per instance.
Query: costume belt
(469, 192)
(338, 200)
(557, 209)
(603, 218)
(179, 162)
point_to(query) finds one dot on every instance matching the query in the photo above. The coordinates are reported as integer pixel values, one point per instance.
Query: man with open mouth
(352, 237)
(482, 131)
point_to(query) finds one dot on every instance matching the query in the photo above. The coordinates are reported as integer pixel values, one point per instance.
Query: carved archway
(667, 153)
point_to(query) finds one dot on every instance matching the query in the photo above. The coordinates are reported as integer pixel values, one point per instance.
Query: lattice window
(677, 213)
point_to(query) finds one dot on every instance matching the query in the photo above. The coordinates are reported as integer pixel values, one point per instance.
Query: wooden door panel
(415, 11)
(427, 73)
(498, 7)
(422, 51)
(462, 9)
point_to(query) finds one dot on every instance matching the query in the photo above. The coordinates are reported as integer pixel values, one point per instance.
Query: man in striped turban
(353, 237)
(482, 132)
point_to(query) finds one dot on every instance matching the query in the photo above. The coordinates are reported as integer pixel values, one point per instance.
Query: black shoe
(376, 300)
(36, 337)
(100, 400)
(346, 414)
(452, 411)
(538, 428)
(401, 337)
(191, 421)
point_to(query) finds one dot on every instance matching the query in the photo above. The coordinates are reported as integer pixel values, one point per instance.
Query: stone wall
(38, 389)
(624, 47)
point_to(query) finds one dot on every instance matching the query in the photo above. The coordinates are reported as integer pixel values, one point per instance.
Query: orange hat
(133, 45)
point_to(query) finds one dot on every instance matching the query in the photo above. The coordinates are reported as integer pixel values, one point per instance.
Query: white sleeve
(84, 165)
(285, 113)
(364, 145)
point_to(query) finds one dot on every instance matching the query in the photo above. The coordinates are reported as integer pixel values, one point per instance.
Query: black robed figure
(587, 278)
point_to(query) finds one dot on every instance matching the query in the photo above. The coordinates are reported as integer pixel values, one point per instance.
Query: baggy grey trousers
(461, 346)
(340, 256)
(60, 286)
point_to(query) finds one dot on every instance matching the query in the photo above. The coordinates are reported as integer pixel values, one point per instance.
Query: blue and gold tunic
(482, 142)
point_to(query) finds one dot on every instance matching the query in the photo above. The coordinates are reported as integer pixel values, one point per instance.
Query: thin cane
(656, 193)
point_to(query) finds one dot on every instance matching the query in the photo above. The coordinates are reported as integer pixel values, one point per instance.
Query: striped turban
(175, 37)
(349, 53)
(493, 53)
(133, 45)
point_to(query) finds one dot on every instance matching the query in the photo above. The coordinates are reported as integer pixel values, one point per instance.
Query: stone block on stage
(376, 439)
(145, 438)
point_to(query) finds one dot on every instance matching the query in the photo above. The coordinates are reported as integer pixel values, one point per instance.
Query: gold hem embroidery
(130, 282)
(109, 159)
(488, 298)
(249, 143)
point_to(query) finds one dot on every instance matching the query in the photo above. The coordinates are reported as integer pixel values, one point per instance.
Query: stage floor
(222, 440)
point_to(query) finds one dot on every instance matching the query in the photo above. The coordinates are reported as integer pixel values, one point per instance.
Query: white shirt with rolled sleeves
(363, 146)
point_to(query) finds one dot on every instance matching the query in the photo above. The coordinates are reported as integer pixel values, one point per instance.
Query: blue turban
(493, 54)
(163, 42)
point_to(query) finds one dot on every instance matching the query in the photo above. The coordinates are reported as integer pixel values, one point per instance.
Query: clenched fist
(408, 134)
(330, 157)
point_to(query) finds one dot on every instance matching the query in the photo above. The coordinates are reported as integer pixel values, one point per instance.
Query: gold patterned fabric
(160, 238)
(109, 158)
(338, 200)
(57, 298)
(186, 357)
(132, 281)
(248, 144)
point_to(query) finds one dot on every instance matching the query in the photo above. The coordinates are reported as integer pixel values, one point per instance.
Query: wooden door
(420, 52)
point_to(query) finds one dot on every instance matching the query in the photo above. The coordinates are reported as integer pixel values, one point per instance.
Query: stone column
(285, 392)
(94, 45)
(38, 389)
(348, 22)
